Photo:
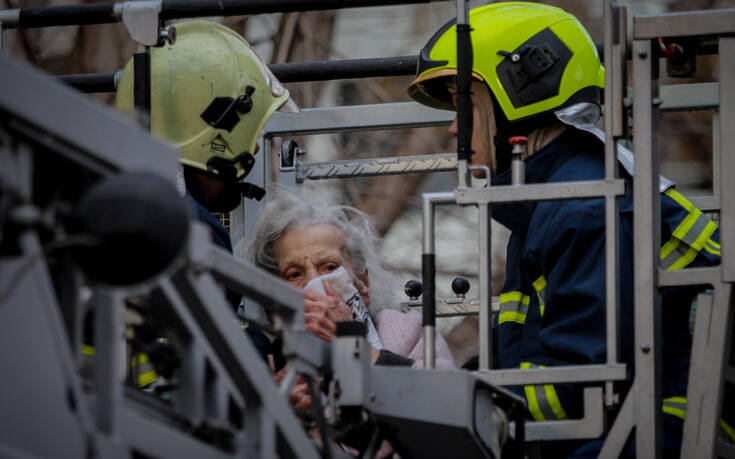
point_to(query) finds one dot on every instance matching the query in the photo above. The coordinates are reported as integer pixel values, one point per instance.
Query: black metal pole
(175, 9)
(62, 15)
(286, 73)
(297, 72)
(142, 87)
(90, 82)
(464, 92)
(105, 13)
(343, 69)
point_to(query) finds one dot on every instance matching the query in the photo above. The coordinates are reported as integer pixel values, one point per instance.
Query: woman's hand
(322, 312)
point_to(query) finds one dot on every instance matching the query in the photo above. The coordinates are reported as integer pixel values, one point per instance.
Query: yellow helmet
(534, 58)
(211, 95)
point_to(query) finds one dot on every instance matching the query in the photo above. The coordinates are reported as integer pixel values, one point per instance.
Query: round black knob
(413, 288)
(460, 286)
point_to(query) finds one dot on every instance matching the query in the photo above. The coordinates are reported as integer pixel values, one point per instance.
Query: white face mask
(341, 281)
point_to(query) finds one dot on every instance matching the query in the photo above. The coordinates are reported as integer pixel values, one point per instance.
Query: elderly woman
(330, 252)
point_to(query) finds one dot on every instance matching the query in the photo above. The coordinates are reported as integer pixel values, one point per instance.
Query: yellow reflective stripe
(147, 378)
(139, 359)
(87, 349)
(511, 316)
(681, 231)
(513, 307)
(533, 405)
(514, 296)
(680, 199)
(540, 286)
(691, 254)
(712, 251)
(714, 243)
(669, 247)
(704, 236)
(676, 406)
(728, 430)
(543, 401)
(554, 402)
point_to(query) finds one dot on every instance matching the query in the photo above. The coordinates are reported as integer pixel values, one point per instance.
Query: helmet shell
(500, 30)
(207, 61)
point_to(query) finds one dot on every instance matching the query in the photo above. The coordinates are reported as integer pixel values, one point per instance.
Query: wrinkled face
(307, 252)
(483, 128)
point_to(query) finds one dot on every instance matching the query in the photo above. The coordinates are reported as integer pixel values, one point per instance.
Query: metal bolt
(515, 58)
(168, 35)
(642, 53)
(646, 348)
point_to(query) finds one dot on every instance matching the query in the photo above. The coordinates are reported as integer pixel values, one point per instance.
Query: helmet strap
(228, 167)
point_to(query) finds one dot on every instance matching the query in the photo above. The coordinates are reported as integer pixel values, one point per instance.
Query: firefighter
(536, 73)
(211, 96)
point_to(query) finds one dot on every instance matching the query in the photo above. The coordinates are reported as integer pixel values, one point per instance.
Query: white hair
(287, 210)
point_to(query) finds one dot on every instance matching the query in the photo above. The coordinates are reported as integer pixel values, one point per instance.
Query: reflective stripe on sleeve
(677, 406)
(540, 286)
(543, 401)
(513, 307)
(143, 369)
(695, 232)
(140, 365)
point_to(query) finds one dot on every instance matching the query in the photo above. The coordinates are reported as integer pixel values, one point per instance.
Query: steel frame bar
(33, 299)
(209, 309)
(714, 22)
(726, 153)
(484, 277)
(397, 115)
(145, 434)
(205, 351)
(555, 375)
(691, 276)
(590, 426)
(706, 373)
(541, 192)
(66, 117)
(613, 123)
(109, 310)
(620, 431)
(273, 293)
(429, 200)
(397, 165)
(646, 244)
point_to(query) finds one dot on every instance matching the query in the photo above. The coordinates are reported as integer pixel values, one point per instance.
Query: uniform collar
(539, 168)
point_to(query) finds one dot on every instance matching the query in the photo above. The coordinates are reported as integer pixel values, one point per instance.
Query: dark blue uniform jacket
(221, 238)
(553, 302)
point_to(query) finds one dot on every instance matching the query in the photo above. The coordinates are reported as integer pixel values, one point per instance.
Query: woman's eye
(331, 267)
(292, 275)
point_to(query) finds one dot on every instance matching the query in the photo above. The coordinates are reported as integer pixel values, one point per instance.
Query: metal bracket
(453, 306)
(141, 20)
(590, 426)
(397, 165)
